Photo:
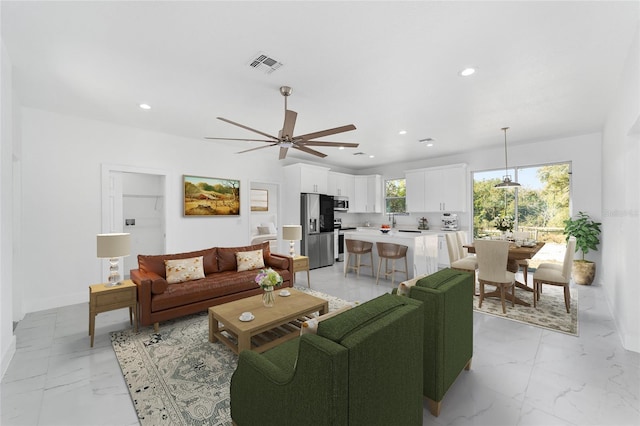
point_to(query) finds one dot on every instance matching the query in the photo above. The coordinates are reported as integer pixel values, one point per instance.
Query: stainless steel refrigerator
(316, 217)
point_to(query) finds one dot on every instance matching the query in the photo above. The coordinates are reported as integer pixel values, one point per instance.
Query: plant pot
(583, 272)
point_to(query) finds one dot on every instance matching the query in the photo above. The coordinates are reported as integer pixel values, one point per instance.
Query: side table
(103, 299)
(301, 263)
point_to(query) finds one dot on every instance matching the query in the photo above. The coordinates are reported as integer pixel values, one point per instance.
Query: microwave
(340, 204)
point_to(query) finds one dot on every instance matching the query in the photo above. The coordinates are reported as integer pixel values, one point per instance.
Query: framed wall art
(205, 196)
(259, 200)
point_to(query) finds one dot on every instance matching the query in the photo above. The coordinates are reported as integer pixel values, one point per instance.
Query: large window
(539, 206)
(395, 192)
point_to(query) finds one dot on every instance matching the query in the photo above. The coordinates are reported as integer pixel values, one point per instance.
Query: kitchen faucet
(392, 218)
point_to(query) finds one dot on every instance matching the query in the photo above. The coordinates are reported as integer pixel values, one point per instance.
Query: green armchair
(448, 329)
(363, 367)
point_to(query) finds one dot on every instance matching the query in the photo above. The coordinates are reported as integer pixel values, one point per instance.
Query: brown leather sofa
(161, 301)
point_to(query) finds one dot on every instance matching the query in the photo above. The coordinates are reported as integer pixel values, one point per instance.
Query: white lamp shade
(113, 245)
(292, 232)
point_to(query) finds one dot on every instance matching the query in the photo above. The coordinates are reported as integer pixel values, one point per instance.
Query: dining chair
(524, 263)
(492, 270)
(456, 260)
(552, 274)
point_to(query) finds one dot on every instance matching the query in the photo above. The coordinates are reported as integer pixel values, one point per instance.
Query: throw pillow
(271, 226)
(249, 260)
(263, 230)
(181, 270)
(311, 325)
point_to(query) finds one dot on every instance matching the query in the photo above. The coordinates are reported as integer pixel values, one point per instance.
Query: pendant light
(506, 179)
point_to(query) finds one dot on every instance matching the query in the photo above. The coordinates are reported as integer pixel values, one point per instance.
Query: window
(539, 206)
(395, 192)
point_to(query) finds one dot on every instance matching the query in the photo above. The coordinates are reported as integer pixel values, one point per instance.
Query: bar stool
(358, 248)
(391, 251)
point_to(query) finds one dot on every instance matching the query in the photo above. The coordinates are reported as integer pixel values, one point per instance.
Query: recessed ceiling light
(371, 156)
(429, 144)
(342, 147)
(467, 72)
(402, 132)
(144, 106)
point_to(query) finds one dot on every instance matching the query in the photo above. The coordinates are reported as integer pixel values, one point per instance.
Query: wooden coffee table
(270, 327)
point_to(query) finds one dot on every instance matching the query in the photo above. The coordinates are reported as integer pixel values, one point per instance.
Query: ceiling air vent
(358, 153)
(263, 62)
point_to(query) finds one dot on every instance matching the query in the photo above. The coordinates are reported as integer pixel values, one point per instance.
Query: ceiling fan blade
(289, 124)
(246, 140)
(253, 149)
(283, 153)
(327, 132)
(309, 151)
(248, 128)
(325, 143)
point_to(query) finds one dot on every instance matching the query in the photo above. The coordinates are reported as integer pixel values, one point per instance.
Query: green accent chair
(363, 367)
(448, 330)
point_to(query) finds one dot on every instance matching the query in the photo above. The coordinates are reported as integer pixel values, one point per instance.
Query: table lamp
(112, 247)
(292, 233)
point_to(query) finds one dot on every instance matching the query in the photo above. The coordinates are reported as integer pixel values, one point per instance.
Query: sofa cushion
(181, 270)
(209, 287)
(249, 260)
(155, 263)
(439, 278)
(227, 255)
(339, 327)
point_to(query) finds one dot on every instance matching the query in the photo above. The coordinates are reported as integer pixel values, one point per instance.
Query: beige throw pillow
(249, 260)
(181, 270)
(311, 325)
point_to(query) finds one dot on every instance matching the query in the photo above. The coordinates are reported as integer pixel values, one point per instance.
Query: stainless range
(338, 239)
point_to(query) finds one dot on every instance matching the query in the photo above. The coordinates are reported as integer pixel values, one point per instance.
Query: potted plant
(587, 233)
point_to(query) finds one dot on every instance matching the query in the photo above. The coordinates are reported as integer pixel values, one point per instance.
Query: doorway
(134, 202)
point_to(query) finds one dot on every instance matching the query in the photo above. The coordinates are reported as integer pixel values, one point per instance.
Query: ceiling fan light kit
(506, 179)
(286, 138)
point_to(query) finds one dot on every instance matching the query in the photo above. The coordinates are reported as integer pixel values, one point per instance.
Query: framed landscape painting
(205, 196)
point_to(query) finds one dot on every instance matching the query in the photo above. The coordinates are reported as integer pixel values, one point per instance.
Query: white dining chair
(521, 236)
(553, 274)
(466, 264)
(492, 257)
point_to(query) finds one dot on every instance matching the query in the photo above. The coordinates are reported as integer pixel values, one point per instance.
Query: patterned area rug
(550, 312)
(175, 376)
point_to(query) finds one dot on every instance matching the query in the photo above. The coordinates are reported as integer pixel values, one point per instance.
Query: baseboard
(42, 304)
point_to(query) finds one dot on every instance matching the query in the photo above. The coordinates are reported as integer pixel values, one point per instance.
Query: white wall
(61, 187)
(621, 202)
(7, 339)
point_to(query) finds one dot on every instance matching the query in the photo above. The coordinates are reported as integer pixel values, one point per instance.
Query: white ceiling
(546, 69)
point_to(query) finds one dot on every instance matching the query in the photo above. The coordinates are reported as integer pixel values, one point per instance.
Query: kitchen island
(422, 252)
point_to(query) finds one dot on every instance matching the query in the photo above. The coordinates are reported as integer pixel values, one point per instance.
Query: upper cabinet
(341, 185)
(367, 197)
(307, 178)
(437, 189)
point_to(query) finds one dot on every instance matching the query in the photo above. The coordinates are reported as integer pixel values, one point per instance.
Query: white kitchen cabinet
(367, 197)
(341, 185)
(415, 186)
(437, 189)
(312, 179)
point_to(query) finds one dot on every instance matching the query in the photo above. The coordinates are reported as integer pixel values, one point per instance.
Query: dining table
(516, 252)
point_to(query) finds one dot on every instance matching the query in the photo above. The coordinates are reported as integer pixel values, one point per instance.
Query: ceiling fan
(286, 139)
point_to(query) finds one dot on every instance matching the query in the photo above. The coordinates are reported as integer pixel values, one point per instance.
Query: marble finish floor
(521, 375)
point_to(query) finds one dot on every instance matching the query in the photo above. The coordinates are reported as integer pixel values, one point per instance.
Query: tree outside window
(539, 206)
(395, 192)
